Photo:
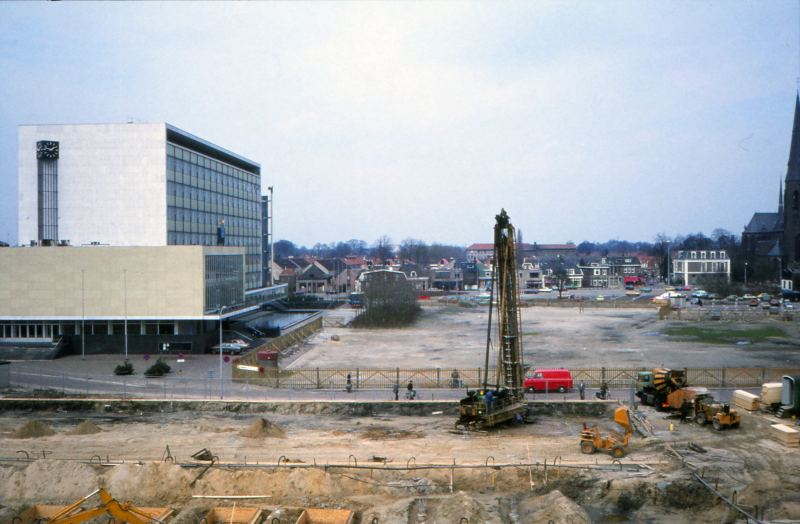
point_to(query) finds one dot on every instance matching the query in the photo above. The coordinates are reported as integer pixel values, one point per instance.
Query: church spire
(793, 172)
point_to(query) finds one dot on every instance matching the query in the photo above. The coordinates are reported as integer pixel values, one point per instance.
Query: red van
(549, 379)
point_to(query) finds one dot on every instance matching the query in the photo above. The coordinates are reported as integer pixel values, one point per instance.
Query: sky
(583, 120)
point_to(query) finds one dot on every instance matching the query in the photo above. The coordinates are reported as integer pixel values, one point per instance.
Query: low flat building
(157, 295)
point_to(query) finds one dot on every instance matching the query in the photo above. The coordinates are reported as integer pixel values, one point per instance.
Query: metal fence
(307, 384)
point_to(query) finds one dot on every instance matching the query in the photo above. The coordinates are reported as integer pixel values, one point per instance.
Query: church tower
(791, 191)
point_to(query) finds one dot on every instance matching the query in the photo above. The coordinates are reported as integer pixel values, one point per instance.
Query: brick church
(776, 236)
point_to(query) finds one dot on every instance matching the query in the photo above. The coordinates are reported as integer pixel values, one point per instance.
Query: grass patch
(718, 335)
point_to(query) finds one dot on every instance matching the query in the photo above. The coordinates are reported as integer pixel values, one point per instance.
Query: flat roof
(181, 137)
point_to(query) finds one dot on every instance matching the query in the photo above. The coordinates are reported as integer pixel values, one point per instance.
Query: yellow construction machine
(118, 511)
(613, 442)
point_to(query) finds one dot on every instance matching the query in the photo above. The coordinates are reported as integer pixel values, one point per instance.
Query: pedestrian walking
(349, 385)
(396, 390)
(582, 390)
(489, 399)
(684, 411)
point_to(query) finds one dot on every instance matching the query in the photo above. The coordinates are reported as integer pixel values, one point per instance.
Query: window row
(53, 330)
(194, 197)
(200, 160)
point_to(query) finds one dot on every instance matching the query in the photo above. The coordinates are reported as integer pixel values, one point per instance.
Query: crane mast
(505, 398)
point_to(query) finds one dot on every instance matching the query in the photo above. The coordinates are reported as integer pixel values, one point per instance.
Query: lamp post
(221, 309)
(745, 273)
(83, 320)
(270, 215)
(125, 278)
(668, 242)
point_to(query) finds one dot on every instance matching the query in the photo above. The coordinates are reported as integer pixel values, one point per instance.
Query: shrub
(125, 368)
(158, 369)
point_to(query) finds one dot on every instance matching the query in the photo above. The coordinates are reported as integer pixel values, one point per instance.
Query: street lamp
(270, 217)
(221, 309)
(745, 273)
(83, 319)
(668, 242)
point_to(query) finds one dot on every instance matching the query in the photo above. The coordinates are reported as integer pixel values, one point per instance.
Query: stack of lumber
(771, 393)
(785, 435)
(746, 400)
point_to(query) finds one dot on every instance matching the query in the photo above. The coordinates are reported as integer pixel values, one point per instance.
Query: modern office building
(141, 237)
(137, 185)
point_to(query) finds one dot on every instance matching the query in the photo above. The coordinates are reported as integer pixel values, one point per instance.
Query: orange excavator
(616, 444)
(122, 512)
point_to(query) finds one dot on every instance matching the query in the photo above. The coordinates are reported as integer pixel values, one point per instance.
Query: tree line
(382, 248)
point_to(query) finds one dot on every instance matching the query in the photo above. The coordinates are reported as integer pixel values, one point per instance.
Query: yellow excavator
(122, 512)
(613, 442)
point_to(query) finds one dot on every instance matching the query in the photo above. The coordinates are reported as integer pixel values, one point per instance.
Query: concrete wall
(46, 282)
(111, 183)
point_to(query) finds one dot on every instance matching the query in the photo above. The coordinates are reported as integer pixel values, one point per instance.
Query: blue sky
(584, 120)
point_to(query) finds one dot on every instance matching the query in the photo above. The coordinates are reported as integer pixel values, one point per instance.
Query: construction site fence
(366, 386)
(589, 303)
(469, 378)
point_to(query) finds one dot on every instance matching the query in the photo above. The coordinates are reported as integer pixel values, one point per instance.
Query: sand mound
(33, 429)
(87, 427)
(262, 428)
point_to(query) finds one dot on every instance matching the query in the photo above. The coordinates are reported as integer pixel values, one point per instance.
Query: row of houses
(343, 275)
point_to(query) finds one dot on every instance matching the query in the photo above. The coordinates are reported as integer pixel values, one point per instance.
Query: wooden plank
(771, 392)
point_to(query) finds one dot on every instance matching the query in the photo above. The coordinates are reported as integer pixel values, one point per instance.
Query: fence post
(438, 384)
(358, 380)
(398, 375)
(319, 383)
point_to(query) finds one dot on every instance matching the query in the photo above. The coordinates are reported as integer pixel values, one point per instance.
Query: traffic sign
(226, 359)
(147, 357)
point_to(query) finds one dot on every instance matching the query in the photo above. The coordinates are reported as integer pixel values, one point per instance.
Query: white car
(788, 306)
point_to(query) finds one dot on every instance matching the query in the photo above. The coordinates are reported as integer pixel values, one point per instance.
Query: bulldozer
(721, 416)
(616, 444)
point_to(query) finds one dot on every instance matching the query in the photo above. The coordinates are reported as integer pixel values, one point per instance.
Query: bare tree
(722, 238)
(383, 248)
(660, 249)
(358, 247)
(561, 277)
(414, 250)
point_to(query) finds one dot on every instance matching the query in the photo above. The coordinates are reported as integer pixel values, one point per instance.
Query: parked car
(754, 302)
(629, 287)
(765, 297)
(632, 293)
(601, 298)
(732, 298)
(700, 294)
(545, 290)
(765, 305)
(714, 296)
(748, 296)
(647, 290)
(549, 380)
(774, 302)
(676, 306)
(227, 348)
(577, 297)
(788, 305)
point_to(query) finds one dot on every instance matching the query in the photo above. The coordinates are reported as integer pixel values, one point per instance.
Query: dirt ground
(761, 471)
(330, 441)
(449, 337)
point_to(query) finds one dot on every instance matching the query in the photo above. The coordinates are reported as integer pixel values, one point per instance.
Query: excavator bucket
(622, 417)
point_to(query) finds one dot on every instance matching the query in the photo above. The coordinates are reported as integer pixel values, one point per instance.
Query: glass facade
(201, 192)
(223, 282)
